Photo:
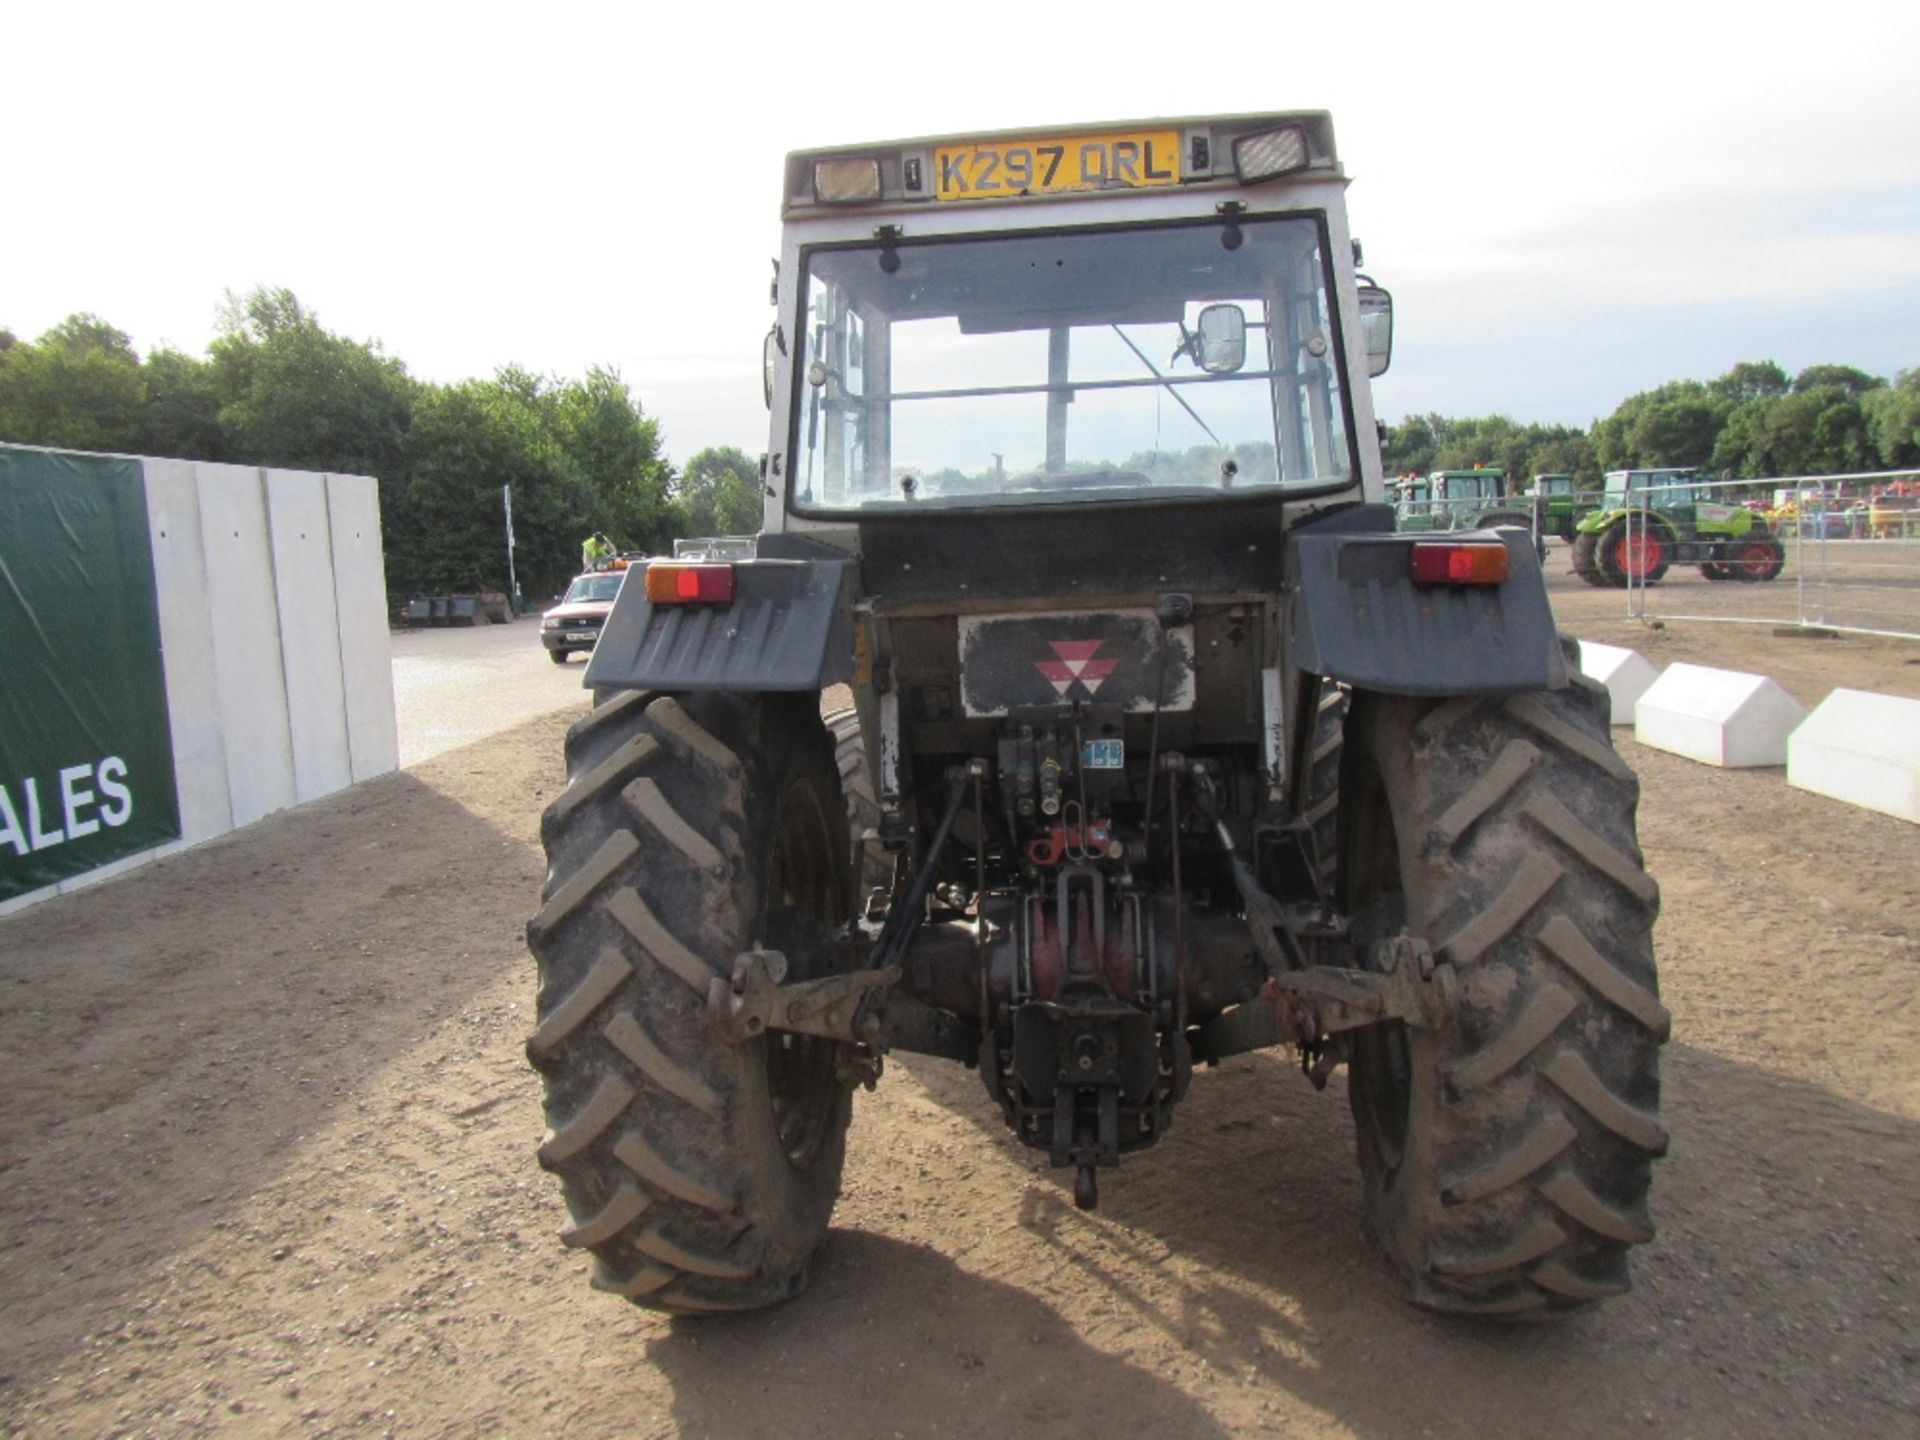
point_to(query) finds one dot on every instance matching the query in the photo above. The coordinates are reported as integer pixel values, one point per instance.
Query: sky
(1570, 203)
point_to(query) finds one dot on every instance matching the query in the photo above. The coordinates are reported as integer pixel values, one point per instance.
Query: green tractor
(1649, 520)
(1476, 499)
(1558, 506)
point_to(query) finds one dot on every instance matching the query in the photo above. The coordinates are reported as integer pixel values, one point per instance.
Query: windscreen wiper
(1168, 388)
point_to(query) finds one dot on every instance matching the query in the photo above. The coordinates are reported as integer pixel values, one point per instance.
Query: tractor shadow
(893, 1338)
(1776, 1297)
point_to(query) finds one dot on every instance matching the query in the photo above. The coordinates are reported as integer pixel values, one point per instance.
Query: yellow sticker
(1003, 169)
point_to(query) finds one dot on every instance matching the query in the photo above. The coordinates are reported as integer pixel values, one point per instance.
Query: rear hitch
(1305, 1007)
(859, 1008)
(1303, 1003)
(835, 1008)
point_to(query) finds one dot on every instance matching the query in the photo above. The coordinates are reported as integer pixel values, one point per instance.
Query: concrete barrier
(1625, 673)
(1861, 748)
(271, 598)
(1718, 717)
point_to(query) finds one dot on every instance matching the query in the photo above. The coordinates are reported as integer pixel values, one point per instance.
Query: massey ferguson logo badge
(1122, 659)
(1076, 665)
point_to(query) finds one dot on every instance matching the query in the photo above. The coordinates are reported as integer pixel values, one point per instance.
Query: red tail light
(1462, 563)
(690, 584)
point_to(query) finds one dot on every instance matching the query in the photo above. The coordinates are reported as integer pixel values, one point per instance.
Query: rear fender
(789, 627)
(1357, 617)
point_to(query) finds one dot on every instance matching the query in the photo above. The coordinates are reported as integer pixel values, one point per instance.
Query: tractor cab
(1127, 317)
(1657, 489)
(1466, 486)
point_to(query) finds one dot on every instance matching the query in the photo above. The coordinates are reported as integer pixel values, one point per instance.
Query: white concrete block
(1718, 717)
(273, 630)
(1625, 673)
(309, 631)
(360, 592)
(1861, 748)
(244, 612)
(186, 644)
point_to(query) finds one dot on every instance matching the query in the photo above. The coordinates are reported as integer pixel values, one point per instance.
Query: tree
(1674, 424)
(719, 492)
(1893, 420)
(1818, 431)
(1564, 450)
(182, 415)
(1750, 380)
(579, 455)
(78, 387)
(615, 449)
(1742, 447)
(1412, 443)
(296, 395)
(1837, 377)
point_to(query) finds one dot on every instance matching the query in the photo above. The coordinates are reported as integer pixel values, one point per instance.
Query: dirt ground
(1807, 663)
(266, 1167)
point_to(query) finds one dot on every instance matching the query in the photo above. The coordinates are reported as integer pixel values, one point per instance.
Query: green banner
(86, 753)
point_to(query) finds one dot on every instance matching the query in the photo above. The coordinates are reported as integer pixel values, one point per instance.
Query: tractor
(1462, 500)
(1650, 519)
(1147, 744)
(1558, 506)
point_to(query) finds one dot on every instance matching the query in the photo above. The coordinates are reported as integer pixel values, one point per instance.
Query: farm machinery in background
(1559, 506)
(1650, 520)
(1476, 499)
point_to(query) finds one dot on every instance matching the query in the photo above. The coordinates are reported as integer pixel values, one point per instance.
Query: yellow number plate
(1007, 168)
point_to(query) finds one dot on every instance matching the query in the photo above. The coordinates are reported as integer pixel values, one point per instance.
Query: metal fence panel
(1847, 557)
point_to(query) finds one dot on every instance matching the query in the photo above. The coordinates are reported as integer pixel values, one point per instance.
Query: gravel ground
(453, 686)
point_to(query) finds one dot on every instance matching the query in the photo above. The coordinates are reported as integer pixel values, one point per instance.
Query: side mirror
(766, 362)
(1376, 328)
(1220, 338)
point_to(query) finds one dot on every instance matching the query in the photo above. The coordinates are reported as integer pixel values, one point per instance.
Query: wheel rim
(1383, 1069)
(801, 1086)
(1636, 555)
(1757, 558)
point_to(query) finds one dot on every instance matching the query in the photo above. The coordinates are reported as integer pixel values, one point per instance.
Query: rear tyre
(1636, 555)
(1760, 557)
(1506, 1158)
(1586, 558)
(873, 867)
(699, 1173)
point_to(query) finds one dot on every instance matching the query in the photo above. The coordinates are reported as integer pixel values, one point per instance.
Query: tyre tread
(1546, 1085)
(601, 1113)
(577, 1006)
(578, 888)
(660, 1150)
(632, 915)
